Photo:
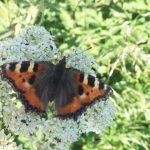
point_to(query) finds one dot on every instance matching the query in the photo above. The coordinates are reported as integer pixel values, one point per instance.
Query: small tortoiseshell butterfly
(37, 83)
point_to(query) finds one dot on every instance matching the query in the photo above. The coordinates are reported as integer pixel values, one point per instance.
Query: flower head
(35, 43)
(7, 142)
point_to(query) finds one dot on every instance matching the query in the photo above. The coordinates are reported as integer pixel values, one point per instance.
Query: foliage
(118, 32)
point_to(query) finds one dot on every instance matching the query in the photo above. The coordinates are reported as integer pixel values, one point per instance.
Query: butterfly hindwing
(87, 89)
(23, 76)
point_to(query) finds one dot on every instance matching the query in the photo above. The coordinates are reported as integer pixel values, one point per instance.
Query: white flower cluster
(80, 60)
(35, 43)
(7, 142)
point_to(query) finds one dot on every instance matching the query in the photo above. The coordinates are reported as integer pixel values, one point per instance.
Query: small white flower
(80, 60)
(35, 43)
(7, 142)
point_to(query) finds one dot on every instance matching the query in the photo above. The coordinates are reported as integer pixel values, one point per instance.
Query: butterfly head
(62, 62)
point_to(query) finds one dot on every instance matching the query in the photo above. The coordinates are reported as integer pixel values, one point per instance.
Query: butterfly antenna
(85, 50)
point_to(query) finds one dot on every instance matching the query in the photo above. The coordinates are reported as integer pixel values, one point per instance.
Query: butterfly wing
(25, 78)
(33, 81)
(77, 90)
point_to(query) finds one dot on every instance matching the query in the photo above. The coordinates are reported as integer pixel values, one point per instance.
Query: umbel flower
(36, 44)
(7, 142)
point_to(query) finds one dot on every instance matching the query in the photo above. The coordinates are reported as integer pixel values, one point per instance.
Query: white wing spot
(7, 67)
(18, 67)
(30, 69)
(105, 87)
(96, 83)
(85, 81)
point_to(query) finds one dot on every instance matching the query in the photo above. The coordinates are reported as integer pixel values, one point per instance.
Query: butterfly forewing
(22, 76)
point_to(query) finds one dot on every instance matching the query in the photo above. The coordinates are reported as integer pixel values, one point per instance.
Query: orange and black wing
(23, 76)
(87, 90)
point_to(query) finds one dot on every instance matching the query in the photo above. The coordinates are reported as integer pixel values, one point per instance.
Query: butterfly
(38, 83)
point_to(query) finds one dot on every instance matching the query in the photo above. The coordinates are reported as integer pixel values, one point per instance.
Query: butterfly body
(37, 83)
